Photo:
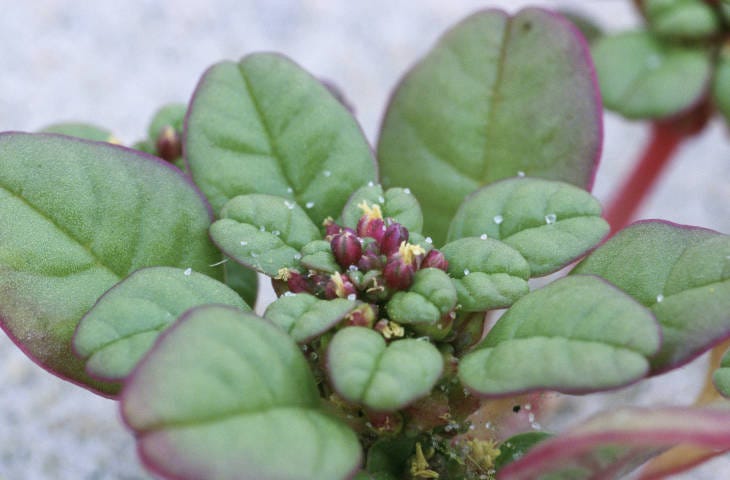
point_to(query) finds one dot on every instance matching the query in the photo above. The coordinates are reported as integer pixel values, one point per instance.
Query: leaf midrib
(65, 232)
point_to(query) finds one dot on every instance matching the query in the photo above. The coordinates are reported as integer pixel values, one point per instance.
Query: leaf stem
(664, 141)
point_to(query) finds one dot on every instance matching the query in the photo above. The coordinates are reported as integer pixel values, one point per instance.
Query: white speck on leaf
(428, 240)
(244, 243)
(551, 218)
(326, 173)
(289, 205)
(659, 298)
(407, 191)
(483, 236)
(309, 204)
(188, 271)
(498, 219)
(520, 173)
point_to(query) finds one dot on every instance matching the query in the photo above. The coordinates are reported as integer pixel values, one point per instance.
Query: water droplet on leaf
(498, 219)
(551, 218)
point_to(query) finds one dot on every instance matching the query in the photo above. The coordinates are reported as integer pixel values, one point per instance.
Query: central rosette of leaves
(376, 261)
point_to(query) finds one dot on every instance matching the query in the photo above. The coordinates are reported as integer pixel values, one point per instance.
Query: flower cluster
(375, 259)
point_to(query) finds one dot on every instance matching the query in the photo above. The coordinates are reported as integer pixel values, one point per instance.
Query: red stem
(664, 141)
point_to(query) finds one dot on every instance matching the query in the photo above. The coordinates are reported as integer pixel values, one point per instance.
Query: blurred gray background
(114, 63)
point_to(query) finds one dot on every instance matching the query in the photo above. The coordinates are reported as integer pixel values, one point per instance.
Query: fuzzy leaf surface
(431, 296)
(317, 255)
(550, 223)
(76, 217)
(263, 232)
(364, 370)
(264, 125)
(681, 19)
(85, 131)
(305, 316)
(479, 108)
(578, 334)
(487, 273)
(612, 444)
(681, 273)
(125, 322)
(396, 203)
(643, 77)
(243, 280)
(259, 417)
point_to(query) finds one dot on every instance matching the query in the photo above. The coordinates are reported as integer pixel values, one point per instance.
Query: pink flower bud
(369, 261)
(435, 259)
(372, 227)
(330, 227)
(346, 248)
(398, 274)
(296, 282)
(168, 144)
(394, 235)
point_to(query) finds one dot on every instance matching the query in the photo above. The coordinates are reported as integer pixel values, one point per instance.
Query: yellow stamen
(393, 329)
(339, 285)
(483, 452)
(371, 212)
(408, 251)
(283, 274)
(419, 465)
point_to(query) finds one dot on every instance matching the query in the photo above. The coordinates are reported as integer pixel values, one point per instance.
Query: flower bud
(339, 286)
(168, 144)
(346, 248)
(362, 316)
(385, 423)
(398, 273)
(394, 235)
(330, 227)
(435, 259)
(296, 282)
(369, 261)
(372, 227)
(374, 286)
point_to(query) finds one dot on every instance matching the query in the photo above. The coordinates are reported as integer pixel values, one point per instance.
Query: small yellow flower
(408, 252)
(419, 465)
(370, 212)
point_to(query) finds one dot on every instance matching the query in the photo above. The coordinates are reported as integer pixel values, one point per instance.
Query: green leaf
(396, 203)
(578, 334)
(681, 273)
(77, 217)
(721, 376)
(497, 95)
(242, 280)
(612, 444)
(430, 298)
(259, 417)
(85, 131)
(306, 317)
(550, 223)
(263, 232)
(643, 77)
(124, 323)
(390, 455)
(682, 19)
(515, 447)
(721, 83)
(364, 370)
(264, 125)
(487, 273)
(317, 255)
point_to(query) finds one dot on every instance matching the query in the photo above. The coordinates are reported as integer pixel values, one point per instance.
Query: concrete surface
(113, 63)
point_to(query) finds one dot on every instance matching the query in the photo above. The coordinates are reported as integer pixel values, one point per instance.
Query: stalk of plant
(373, 362)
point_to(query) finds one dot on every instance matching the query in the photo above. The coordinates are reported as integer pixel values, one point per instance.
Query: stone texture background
(113, 63)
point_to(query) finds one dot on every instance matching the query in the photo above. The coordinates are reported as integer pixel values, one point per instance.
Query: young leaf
(600, 342)
(124, 323)
(643, 77)
(263, 232)
(681, 273)
(681, 19)
(317, 255)
(550, 223)
(84, 131)
(172, 115)
(264, 125)
(305, 317)
(721, 376)
(259, 417)
(515, 447)
(242, 280)
(480, 107)
(77, 217)
(428, 300)
(390, 455)
(614, 443)
(487, 273)
(364, 370)
(396, 203)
